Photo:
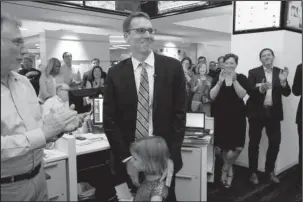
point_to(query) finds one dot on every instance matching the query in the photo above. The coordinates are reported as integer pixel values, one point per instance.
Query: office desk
(55, 162)
(67, 144)
(94, 146)
(185, 179)
(197, 170)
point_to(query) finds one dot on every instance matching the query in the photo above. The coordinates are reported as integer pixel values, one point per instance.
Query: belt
(25, 176)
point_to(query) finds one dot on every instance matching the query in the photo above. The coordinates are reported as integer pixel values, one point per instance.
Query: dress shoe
(274, 178)
(254, 179)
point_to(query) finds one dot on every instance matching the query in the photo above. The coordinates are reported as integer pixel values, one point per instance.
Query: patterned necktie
(142, 124)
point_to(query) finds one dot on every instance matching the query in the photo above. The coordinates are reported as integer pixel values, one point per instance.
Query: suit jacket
(255, 108)
(87, 76)
(297, 90)
(169, 106)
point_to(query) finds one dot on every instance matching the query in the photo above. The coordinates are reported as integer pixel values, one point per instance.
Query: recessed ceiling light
(37, 44)
(23, 29)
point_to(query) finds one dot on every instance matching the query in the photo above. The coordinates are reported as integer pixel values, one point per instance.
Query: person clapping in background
(201, 83)
(229, 115)
(98, 78)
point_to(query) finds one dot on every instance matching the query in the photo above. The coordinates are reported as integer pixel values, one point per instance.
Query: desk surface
(53, 155)
(93, 146)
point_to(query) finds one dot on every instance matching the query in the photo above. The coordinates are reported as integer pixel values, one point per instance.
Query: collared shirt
(22, 138)
(55, 103)
(68, 75)
(268, 96)
(150, 68)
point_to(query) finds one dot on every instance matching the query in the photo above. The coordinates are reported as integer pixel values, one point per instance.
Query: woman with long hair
(98, 78)
(47, 80)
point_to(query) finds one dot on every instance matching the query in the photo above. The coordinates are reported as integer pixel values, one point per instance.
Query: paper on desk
(91, 136)
(82, 142)
(123, 192)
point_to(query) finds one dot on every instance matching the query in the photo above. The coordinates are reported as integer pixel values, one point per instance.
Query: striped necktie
(142, 125)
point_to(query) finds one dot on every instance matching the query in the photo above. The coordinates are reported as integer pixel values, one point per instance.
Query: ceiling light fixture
(116, 36)
(117, 41)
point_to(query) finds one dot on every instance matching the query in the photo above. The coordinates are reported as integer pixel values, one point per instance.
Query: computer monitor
(83, 98)
(98, 111)
(195, 120)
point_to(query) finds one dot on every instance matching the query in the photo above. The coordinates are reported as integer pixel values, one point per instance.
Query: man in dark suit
(149, 86)
(87, 76)
(297, 91)
(264, 109)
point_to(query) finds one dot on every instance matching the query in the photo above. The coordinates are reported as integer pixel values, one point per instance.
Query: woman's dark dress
(229, 116)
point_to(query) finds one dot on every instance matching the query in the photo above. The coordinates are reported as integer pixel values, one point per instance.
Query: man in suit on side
(144, 95)
(297, 91)
(264, 109)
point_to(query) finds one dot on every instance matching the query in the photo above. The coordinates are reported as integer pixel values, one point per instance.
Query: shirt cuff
(36, 138)
(127, 159)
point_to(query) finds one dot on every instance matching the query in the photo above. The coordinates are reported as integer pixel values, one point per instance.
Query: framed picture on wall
(294, 15)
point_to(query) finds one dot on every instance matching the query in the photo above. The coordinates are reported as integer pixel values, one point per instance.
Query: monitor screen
(252, 15)
(98, 111)
(82, 99)
(195, 120)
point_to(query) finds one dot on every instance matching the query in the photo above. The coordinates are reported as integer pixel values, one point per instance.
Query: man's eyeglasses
(143, 30)
(18, 42)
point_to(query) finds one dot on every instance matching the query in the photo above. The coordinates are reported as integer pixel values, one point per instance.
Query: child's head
(150, 155)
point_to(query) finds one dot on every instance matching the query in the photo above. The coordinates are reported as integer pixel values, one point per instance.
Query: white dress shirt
(268, 96)
(22, 138)
(150, 68)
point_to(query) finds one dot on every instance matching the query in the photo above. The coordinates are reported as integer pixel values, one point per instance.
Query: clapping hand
(222, 76)
(265, 86)
(76, 122)
(283, 75)
(55, 123)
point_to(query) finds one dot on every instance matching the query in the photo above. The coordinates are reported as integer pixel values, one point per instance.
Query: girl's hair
(199, 66)
(102, 73)
(50, 70)
(153, 152)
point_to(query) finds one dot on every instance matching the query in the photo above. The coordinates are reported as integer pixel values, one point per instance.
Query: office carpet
(289, 189)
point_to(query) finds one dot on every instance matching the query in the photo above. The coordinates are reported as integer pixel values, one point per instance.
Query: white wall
(213, 50)
(189, 48)
(288, 52)
(83, 47)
